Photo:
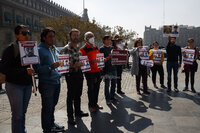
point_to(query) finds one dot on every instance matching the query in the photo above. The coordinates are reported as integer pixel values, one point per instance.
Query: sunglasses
(24, 33)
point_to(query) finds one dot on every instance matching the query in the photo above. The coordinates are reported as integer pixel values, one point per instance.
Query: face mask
(91, 40)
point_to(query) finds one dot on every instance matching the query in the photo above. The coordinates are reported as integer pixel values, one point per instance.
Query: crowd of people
(19, 81)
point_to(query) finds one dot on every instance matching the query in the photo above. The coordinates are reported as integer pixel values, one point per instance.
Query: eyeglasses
(24, 33)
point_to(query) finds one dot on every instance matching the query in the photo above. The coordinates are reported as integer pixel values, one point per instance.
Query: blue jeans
(19, 96)
(50, 95)
(174, 66)
(111, 76)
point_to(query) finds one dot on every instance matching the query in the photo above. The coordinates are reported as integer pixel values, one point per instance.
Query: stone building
(28, 12)
(185, 32)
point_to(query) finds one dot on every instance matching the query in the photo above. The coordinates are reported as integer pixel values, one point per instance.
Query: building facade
(185, 32)
(28, 12)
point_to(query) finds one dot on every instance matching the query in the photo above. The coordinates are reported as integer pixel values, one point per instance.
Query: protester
(18, 80)
(191, 69)
(158, 65)
(137, 68)
(93, 76)
(49, 80)
(109, 71)
(74, 78)
(173, 55)
(118, 46)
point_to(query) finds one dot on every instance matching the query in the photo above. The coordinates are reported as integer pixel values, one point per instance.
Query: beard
(75, 41)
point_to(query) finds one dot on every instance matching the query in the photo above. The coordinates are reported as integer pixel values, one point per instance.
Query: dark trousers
(191, 75)
(49, 94)
(74, 92)
(172, 66)
(93, 83)
(159, 69)
(142, 73)
(119, 77)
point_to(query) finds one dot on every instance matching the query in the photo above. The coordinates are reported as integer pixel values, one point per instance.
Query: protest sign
(100, 60)
(29, 53)
(119, 57)
(85, 63)
(157, 54)
(170, 30)
(144, 53)
(188, 56)
(64, 63)
(148, 63)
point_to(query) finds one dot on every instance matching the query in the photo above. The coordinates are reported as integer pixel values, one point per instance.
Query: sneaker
(176, 90)
(57, 128)
(193, 90)
(82, 114)
(163, 86)
(99, 107)
(185, 89)
(138, 92)
(155, 86)
(120, 92)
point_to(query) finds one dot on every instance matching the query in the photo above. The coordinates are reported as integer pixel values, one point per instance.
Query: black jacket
(12, 68)
(174, 53)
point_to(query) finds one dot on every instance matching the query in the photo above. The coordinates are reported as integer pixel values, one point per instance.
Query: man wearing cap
(93, 76)
(118, 46)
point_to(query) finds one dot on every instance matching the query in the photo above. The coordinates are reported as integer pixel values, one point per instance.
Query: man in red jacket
(93, 76)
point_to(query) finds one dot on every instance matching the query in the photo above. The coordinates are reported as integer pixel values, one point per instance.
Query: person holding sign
(190, 69)
(109, 71)
(93, 76)
(157, 56)
(119, 46)
(18, 79)
(137, 68)
(49, 79)
(74, 78)
(174, 60)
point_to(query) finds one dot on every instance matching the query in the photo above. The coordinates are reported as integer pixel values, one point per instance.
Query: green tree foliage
(64, 24)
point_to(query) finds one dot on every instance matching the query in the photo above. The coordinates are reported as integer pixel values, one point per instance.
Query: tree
(64, 24)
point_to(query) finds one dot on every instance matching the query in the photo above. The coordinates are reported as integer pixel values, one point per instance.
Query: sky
(136, 14)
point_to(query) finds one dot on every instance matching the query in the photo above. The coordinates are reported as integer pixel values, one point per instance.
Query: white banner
(64, 63)
(29, 53)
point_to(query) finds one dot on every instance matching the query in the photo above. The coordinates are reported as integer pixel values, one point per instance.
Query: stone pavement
(160, 112)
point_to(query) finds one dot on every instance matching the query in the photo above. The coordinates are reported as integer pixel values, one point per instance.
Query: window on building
(37, 24)
(28, 21)
(19, 19)
(8, 16)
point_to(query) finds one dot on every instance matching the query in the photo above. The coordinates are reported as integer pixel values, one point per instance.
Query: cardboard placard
(188, 56)
(64, 63)
(29, 53)
(100, 60)
(85, 63)
(119, 57)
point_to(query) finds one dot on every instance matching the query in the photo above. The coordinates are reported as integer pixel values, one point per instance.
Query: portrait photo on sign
(29, 52)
